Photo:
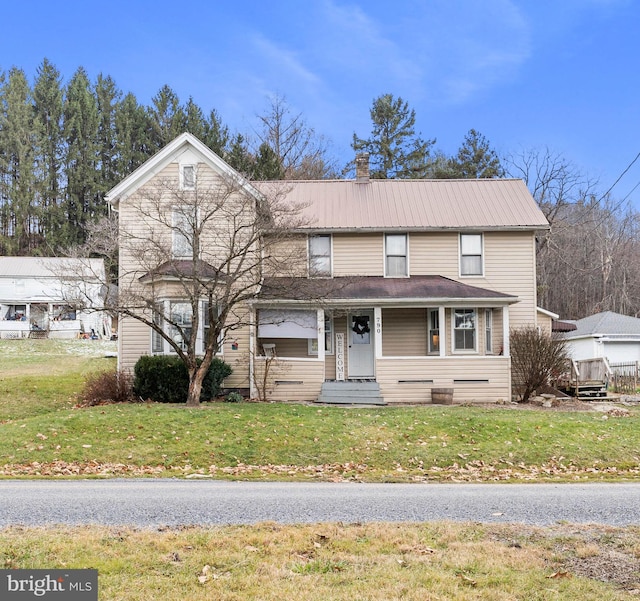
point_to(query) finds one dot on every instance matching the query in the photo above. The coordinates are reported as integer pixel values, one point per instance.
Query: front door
(360, 339)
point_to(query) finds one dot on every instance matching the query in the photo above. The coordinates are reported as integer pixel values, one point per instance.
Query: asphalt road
(152, 503)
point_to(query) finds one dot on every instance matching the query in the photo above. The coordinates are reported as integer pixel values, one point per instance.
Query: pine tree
(17, 142)
(476, 159)
(132, 136)
(107, 98)
(167, 117)
(395, 150)
(47, 104)
(83, 202)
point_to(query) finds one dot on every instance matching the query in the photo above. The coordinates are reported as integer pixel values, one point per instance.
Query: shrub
(107, 387)
(535, 358)
(234, 397)
(165, 379)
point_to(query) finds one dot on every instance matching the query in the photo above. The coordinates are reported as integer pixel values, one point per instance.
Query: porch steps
(351, 392)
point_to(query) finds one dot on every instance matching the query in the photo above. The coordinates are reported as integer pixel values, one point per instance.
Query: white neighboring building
(611, 335)
(42, 296)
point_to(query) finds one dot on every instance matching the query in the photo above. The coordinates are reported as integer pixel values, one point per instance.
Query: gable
(185, 149)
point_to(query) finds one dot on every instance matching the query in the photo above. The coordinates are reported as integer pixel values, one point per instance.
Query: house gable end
(185, 149)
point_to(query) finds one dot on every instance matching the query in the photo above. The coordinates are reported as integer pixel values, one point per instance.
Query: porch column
(253, 391)
(442, 331)
(320, 331)
(505, 331)
(377, 321)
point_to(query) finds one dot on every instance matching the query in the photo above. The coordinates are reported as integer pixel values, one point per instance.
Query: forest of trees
(63, 146)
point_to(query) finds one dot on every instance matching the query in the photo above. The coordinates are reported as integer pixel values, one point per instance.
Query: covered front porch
(407, 347)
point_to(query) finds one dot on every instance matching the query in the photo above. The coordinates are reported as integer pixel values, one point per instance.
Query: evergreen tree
(107, 97)
(17, 177)
(167, 117)
(83, 202)
(267, 165)
(47, 104)
(217, 137)
(395, 150)
(132, 136)
(476, 159)
(239, 156)
(194, 120)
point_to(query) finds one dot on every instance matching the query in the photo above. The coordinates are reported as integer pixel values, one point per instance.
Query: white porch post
(505, 332)
(253, 392)
(321, 342)
(442, 331)
(377, 320)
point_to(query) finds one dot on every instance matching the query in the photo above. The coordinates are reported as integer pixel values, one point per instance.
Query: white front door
(360, 339)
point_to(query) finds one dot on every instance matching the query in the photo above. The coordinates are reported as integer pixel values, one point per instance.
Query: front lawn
(42, 434)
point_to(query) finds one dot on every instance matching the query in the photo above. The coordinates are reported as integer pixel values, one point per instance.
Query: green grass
(42, 434)
(376, 562)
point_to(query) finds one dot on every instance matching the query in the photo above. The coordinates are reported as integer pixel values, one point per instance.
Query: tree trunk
(196, 378)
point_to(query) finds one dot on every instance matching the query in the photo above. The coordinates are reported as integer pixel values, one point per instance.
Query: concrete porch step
(351, 392)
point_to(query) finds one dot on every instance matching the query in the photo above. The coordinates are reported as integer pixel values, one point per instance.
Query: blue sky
(562, 74)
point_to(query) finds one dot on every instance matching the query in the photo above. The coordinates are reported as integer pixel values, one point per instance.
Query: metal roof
(606, 323)
(411, 204)
(50, 267)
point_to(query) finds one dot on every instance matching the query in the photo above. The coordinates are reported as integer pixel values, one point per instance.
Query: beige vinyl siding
(287, 258)
(291, 379)
(474, 379)
(358, 254)
(134, 340)
(404, 332)
(509, 265)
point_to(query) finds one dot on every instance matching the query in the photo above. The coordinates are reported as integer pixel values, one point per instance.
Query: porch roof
(420, 288)
(181, 269)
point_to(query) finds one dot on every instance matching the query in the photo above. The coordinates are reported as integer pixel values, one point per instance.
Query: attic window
(187, 177)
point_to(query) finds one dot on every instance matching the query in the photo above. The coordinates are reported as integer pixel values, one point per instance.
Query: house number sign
(339, 356)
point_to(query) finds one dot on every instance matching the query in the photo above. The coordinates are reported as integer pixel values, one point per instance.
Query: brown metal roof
(413, 204)
(422, 287)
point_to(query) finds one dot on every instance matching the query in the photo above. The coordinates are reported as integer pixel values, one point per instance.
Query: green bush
(165, 379)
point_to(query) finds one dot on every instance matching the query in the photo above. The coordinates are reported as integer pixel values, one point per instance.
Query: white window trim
(471, 275)
(455, 350)
(183, 184)
(312, 275)
(384, 254)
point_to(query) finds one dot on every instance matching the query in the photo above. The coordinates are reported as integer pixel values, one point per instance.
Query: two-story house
(403, 286)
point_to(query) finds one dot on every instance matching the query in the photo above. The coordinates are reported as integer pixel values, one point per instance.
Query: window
(157, 341)
(464, 329)
(488, 330)
(187, 177)
(396, 264)
(471, 254)
(182, 234)
(328, 337)
(434, 332)
(320, 256)
(182, 317)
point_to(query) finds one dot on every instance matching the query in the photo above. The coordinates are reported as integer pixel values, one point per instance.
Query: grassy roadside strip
(340, 562)
(301, 442)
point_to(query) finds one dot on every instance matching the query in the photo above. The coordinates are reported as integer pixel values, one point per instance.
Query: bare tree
(301, 152)
(535, 358)
(209, 245)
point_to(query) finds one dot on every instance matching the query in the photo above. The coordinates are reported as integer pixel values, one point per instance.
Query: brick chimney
(362, 167)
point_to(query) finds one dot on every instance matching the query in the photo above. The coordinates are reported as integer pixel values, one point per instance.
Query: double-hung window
(464, 329)
(182, 231)
(434, 331)
(471, 259)
(320, 256)
(181, 319)
(396, 255)
(488, 331)
(187, 177)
